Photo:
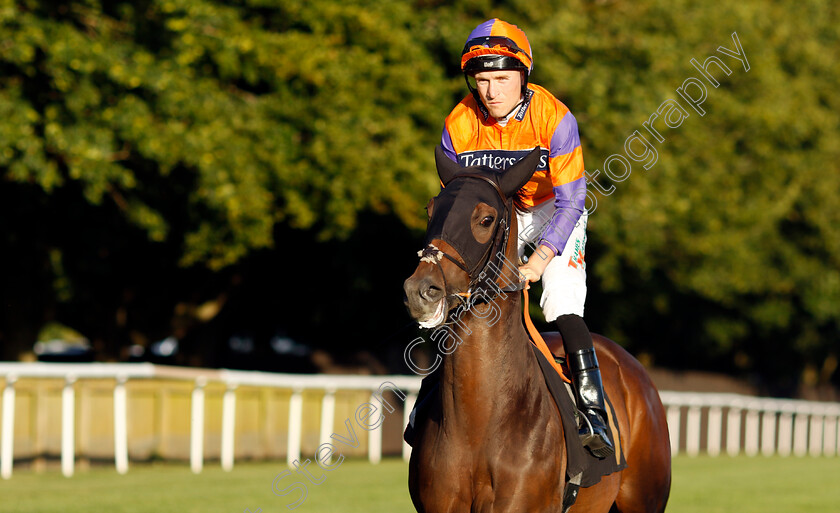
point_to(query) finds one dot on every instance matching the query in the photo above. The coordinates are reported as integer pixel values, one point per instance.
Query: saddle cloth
(580, 460)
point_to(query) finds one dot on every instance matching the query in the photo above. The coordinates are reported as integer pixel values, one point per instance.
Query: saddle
(581, 463)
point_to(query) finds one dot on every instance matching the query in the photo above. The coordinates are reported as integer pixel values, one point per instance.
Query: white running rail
(698, 422)
(712, 423)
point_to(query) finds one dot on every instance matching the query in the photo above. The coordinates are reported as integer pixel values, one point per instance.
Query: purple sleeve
(568, 204)
(446, 144)
(569, 195)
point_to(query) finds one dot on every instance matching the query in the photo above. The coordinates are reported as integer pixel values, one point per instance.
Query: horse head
(469, 227)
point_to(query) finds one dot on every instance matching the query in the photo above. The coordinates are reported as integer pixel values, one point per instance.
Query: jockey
(503, 119)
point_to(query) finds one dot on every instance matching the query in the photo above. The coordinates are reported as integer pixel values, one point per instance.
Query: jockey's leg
(589, 389)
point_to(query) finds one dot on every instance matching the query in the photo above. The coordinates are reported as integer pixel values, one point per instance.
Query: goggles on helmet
(492, 46)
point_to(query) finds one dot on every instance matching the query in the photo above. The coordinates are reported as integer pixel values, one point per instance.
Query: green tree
(162, 161)
(724, 253)
(203, 126)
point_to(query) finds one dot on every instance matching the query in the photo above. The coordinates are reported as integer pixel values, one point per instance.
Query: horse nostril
(422, 289)
(431, 293)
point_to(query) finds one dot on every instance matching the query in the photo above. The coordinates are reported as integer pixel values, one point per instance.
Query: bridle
(488, 267)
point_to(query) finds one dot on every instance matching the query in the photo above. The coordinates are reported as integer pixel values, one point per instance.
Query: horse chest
(467, 474)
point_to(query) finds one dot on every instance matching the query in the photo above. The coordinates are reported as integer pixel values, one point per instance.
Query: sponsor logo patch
(499, 160)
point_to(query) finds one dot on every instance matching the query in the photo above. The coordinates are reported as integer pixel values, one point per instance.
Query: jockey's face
(499, 90)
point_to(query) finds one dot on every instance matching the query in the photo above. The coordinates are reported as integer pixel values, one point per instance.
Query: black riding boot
(590, 394)
(580, 354)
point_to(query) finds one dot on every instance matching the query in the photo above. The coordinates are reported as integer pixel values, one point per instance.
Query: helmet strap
(477, 97)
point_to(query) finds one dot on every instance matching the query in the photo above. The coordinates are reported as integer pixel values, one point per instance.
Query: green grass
(755, 485)
(703, 484)
(354, 486)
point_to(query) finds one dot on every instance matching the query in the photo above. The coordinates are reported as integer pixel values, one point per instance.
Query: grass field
(703, 484)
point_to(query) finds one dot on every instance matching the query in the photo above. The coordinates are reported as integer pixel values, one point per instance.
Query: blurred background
(242, 184)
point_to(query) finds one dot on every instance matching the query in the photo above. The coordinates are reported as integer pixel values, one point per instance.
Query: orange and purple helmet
(496, 45)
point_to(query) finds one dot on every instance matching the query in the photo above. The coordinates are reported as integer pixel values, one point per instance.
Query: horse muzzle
(425, 297)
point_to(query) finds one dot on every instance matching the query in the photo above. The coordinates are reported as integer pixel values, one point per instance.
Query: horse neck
(493, 366)
(492, 369)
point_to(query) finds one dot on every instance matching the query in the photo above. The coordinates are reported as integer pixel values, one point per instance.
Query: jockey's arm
(566, 172)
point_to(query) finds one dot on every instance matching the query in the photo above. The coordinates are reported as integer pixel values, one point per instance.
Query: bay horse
(492, 440)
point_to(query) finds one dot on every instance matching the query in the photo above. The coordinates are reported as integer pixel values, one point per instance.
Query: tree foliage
(730, 238)
(303, 113)
(150, 151)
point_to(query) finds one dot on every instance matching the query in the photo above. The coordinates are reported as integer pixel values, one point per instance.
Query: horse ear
(446, 167)
(518, 175)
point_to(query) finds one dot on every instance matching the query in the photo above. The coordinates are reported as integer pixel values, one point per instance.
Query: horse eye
(487, 221)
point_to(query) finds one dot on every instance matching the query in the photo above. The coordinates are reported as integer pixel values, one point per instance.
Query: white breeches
(564, 279)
